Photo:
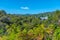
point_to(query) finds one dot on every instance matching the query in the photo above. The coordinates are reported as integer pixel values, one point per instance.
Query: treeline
(44, 26)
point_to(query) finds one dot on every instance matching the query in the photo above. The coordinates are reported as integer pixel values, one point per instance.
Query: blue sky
(29, 6)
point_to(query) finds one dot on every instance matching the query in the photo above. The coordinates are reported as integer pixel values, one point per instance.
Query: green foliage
(56, 35)
(30, 27)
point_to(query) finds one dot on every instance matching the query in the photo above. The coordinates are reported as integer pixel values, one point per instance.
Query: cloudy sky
(29, 6)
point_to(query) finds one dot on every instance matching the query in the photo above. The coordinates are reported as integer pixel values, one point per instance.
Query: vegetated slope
(43, 26)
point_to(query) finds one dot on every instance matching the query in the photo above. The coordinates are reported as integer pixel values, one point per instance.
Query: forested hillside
(43, 26)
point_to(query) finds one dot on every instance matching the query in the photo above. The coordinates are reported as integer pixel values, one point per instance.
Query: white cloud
(25, 8)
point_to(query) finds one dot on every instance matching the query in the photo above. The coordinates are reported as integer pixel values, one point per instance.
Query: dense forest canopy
(45, 26)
